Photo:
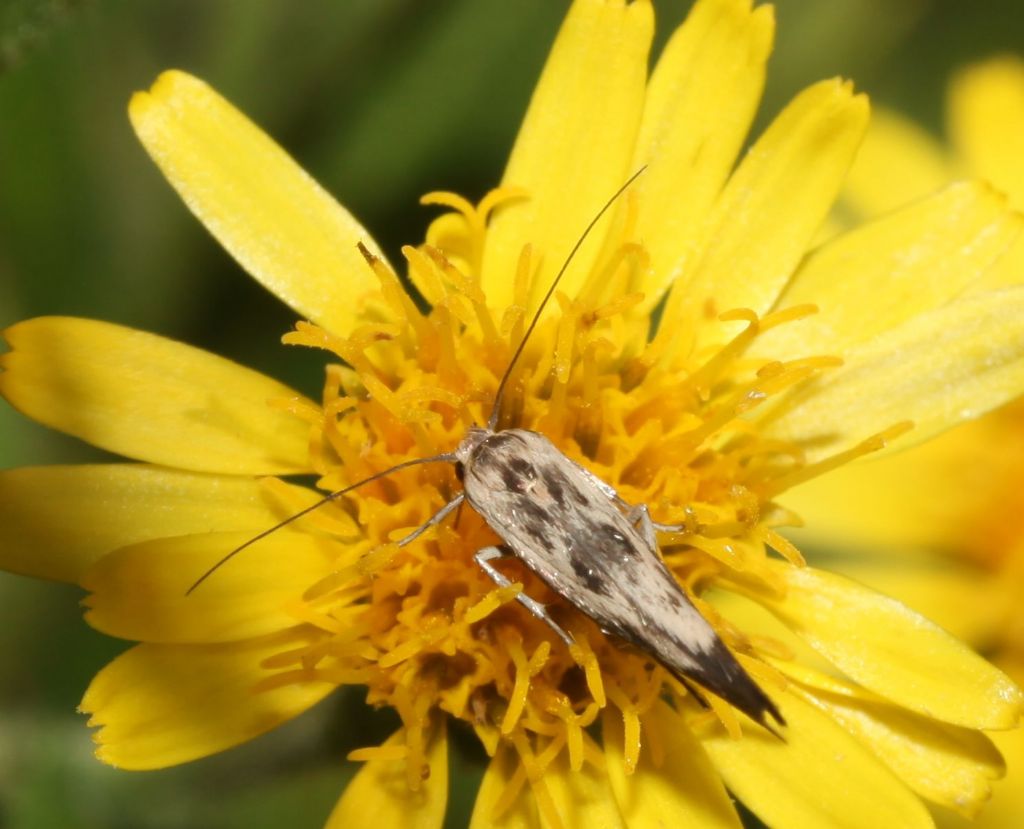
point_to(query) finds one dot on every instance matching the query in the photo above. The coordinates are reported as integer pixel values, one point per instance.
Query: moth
(577, 534)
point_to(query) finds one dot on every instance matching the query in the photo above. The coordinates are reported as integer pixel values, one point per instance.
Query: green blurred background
(381, 100)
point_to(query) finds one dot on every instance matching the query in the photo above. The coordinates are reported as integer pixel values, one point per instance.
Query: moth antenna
(446, 458)
(492, 421)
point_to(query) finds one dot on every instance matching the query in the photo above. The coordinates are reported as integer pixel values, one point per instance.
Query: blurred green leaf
(25, 25)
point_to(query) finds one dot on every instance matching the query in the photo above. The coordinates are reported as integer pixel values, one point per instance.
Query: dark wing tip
(769, 707)
(746, 695)
(721, 673)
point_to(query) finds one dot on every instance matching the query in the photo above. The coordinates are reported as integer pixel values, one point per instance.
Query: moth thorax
(475, 435)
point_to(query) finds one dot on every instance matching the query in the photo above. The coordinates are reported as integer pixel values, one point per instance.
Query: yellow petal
(700, 102)
(685, 790)
(105, 506)
(966, 601)
(818, 776)
(160, 705)
(581, 798)
(891, 269)
(575, 145)
(937, 369)
(139, 592)
(379, 795)
(986, 121)
(943, 763)
(899, 162)
(772, 207)
(893, 651)
(1007, 804)
(280, 225)
(957, 491)
(746, 614)
(521, 814)
(1007, 271)
(150, 398)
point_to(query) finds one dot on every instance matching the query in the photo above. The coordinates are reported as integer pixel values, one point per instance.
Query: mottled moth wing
(561, 523)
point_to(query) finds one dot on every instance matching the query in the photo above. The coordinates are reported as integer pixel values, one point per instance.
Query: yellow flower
(954, 508)
(737, 397)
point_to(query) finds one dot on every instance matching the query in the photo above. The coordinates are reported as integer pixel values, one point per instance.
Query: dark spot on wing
(501, 440)
(673, 595)
(578, 495)
(523, 467)
(617, 543)
(517, 474)
(486, 451)
(535, 521)
(512, 481)
(589, 576)
(555, 483)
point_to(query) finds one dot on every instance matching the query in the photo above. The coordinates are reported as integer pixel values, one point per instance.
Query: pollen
(422, 625)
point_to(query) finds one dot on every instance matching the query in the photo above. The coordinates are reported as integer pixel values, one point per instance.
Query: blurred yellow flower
(961, 495)
(737, 397)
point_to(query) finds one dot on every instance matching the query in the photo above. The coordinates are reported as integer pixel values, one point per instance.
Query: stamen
(471, 288)
(492, 601)
(630, 739)
(535, 775)
(783, 546)
(726, 715)
(865, 447)
(510, 794)
(476, 217)
(585, 658)
(630, 726)
(525, 671)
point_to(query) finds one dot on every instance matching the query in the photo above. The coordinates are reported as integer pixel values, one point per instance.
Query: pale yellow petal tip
(87, 710)
(1014, 697)
(138, 105)
(169, 84)
(1006, 706)
(765, 14)
(102, 753)
(102, 750)
(970, 807)
(838, 95)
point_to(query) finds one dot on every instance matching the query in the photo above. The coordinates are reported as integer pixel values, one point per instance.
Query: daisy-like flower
(738, 395)
(946, 517)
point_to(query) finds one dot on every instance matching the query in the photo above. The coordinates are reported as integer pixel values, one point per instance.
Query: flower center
(422, 625)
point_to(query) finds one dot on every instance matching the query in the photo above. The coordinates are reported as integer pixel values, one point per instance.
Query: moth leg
(637, 515)
(484, 559)
(434, 520)
(640, 516)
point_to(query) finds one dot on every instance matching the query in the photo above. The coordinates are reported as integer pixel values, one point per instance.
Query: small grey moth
(585, 542)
